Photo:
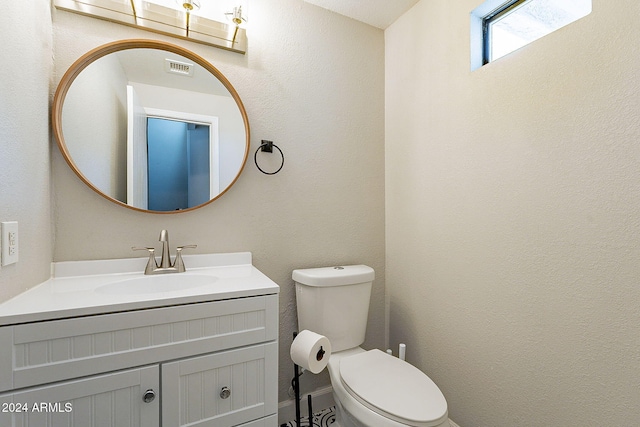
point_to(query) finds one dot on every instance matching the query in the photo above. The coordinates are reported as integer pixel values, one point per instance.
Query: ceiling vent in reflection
(177, 67)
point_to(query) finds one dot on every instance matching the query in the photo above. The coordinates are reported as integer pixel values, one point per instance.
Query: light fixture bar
(162, 20)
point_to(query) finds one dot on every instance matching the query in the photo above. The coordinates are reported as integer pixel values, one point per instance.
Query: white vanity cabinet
(198, 364)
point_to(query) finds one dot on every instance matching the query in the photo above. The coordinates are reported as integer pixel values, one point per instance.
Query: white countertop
(80, 288)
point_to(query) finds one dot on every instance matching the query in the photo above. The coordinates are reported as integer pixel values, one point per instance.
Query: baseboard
(453, 424)
(322, 399)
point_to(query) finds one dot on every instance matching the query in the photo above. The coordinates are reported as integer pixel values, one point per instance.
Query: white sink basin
(154, 284)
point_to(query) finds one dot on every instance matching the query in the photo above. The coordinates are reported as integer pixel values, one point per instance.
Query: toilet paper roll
(311, 351)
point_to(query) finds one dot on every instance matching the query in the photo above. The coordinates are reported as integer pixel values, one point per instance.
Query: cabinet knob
(149, 396)
(225, 392)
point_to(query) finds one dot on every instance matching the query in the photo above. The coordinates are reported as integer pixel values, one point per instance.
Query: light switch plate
(10, 242)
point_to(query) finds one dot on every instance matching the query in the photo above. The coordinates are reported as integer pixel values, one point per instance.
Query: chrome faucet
(165, 261)
(165, 266)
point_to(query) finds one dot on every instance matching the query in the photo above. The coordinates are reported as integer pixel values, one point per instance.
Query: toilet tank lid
(334, 276)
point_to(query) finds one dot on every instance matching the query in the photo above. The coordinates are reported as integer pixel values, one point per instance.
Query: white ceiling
(379, 13)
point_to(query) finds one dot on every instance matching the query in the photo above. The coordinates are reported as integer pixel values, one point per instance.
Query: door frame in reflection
(137, 176)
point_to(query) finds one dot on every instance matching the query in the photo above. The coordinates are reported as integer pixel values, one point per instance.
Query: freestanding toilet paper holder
(295, 383)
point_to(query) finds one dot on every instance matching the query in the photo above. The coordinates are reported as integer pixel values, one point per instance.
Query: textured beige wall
(25, 170)
(513, 217)
(312, 82)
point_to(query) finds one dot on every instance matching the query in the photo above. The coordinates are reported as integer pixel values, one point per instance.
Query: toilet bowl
(372, 388)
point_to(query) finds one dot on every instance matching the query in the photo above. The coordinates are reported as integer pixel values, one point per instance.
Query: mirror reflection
(153, 129)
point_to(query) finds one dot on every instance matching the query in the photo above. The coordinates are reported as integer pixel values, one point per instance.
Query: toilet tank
(334, 302)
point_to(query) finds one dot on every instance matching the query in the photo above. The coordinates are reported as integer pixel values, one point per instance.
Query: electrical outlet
(10, 248)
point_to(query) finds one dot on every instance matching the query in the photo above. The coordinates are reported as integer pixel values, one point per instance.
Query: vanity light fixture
(188, 6)
(196, 20)
(237, 18)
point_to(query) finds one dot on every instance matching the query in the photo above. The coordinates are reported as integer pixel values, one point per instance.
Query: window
(506, 27)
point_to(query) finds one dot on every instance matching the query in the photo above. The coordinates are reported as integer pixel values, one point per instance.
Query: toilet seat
(393, 388)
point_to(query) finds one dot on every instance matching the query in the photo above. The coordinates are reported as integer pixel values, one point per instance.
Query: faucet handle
(178, 264)
(151, 263)
(136, 248)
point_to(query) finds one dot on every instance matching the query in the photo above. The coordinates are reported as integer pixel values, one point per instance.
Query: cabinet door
(221, 389)
(112, 400)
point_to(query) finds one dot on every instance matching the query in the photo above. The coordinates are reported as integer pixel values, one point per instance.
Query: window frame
(490, 12)
(499, 13)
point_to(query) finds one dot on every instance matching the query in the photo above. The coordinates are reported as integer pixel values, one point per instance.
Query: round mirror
(151, 126)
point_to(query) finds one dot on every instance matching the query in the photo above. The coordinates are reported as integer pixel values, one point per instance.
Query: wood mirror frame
(90, 57)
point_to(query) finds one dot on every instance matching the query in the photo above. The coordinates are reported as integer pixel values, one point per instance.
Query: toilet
(370, 388)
